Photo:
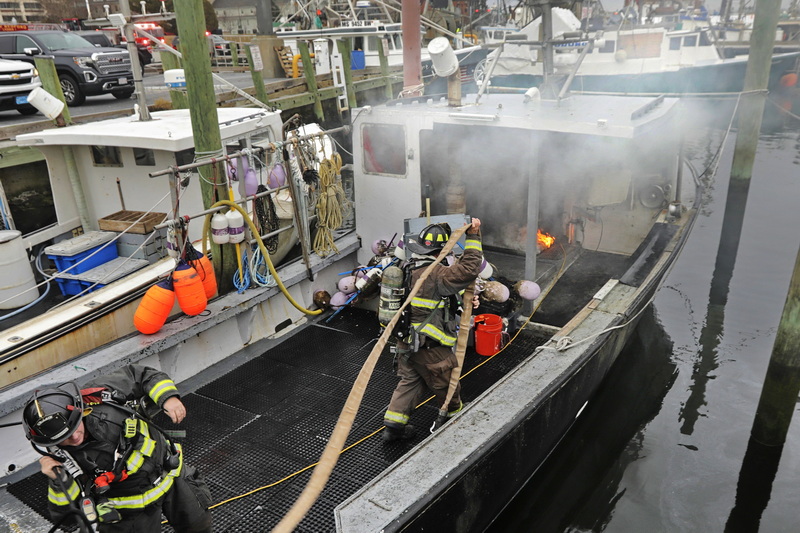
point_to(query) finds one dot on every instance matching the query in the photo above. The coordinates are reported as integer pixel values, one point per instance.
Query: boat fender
(392, 294)
(620, 56)
(494, 291)
(339, 299)
(219, 229)
(277, 176)
(205, 269)
(235, 226)
(400, 251)
(347, 284)
(189, 289)
(154, 308)
(528, 290)
(487, 270)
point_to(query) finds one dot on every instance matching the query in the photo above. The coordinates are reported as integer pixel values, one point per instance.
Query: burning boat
(572, 197)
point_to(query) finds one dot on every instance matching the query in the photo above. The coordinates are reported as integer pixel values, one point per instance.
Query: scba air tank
(235, 226)
(219, 229)
(392, 294)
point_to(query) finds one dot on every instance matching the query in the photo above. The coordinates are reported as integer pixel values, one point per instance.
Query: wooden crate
(129, 220)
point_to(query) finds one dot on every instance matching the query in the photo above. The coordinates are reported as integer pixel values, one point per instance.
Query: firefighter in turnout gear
(116, 459)
(426, 357)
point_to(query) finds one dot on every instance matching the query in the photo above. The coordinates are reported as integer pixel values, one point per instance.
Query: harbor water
(662, 447)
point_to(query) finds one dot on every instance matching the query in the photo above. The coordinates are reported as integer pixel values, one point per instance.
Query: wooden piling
(344, 49)
(50, 83)
(311, 78)
(205, 124)
(256, 66)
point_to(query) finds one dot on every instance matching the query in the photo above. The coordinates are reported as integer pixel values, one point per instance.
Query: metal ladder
(337, 73)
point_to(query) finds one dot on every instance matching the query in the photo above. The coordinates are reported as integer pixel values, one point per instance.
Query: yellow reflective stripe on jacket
(393, 416)
(137, 457)
(161, 388)
(426, 303)
(56, 497)
(473, 244)
(141, 501)
(436, 334)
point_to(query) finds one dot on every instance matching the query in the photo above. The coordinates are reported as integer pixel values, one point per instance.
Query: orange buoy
(202, 264)
(189, 289)
(154, 308)
(789, 80)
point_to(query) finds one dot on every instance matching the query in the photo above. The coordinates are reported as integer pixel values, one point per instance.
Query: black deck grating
(272, 417)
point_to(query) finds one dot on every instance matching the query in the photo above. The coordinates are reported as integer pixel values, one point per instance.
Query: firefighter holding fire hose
(108, 463)
(426, 359)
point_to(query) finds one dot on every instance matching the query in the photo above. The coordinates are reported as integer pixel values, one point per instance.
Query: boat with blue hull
(634, 60)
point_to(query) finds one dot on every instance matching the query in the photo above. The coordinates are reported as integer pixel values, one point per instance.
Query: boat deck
(255, 430)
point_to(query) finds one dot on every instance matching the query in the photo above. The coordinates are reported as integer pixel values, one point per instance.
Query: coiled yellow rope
(331, 205)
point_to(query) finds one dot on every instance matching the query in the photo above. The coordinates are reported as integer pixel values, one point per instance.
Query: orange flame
(544, 239)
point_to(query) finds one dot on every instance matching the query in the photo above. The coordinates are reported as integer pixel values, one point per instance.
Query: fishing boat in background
(364, 38)
(637, 60)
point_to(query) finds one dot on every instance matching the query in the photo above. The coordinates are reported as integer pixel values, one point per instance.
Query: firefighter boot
(391, 434)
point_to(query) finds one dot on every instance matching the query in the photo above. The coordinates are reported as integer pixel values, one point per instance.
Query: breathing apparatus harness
(94, 504)
(403, 330)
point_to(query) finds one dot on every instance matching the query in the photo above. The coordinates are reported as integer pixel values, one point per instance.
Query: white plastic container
(219, 228)
(443, 57)
(46, 103)
(235, 226)
(17, 287)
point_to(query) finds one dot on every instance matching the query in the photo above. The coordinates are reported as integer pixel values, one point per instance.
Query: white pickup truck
(17, 79)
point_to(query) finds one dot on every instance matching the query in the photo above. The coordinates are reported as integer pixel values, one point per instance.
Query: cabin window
(184, 157)
(608, 47)
(106, 156)
(675, 43)
(384, 149)
(372, 43)
(28, 197)
(144, 157)
(690, 41)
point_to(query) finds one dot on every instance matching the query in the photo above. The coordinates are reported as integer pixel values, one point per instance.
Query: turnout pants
(185, 506)
(424, 373)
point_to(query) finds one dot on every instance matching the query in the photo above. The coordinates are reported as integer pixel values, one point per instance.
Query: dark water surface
(661, 448)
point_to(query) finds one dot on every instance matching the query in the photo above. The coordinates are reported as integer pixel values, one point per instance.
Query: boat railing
(299, 222)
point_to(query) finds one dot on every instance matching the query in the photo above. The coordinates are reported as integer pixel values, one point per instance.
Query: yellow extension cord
(264, 252)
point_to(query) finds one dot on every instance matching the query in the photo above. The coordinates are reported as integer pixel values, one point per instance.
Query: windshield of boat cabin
(63, 41)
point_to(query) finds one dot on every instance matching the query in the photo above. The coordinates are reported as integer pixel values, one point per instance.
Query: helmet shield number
(53, 426)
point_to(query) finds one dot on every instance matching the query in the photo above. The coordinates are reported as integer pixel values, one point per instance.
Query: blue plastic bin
(69, 287)
(71, 252)
(357, 61)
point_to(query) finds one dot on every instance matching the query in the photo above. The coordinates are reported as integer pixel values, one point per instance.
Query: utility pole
(205, 124)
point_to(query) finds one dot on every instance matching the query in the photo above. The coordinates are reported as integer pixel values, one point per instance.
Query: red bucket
(488, 334)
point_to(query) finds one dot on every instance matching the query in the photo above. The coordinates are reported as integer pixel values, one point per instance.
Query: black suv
(100, 39)
(83, 69)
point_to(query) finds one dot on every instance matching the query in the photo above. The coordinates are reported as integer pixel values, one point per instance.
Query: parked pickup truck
(17, 79)
(83, 69)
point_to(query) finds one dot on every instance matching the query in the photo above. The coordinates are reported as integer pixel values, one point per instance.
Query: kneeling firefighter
(425, 356)
(108, 463)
